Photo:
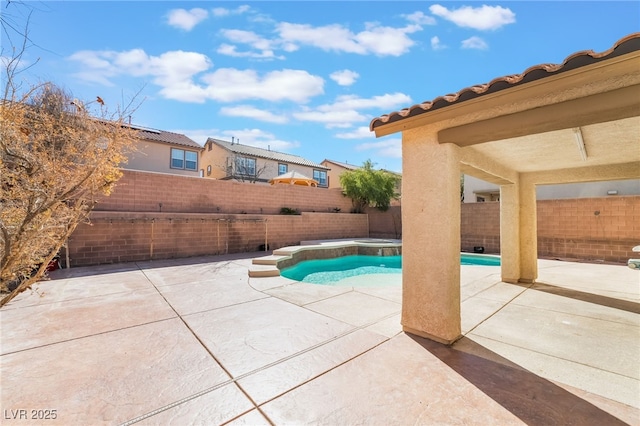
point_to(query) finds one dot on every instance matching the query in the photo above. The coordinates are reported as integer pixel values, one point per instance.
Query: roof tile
(265, 153)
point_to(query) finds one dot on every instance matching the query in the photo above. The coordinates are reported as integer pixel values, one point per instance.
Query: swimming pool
(340, 270)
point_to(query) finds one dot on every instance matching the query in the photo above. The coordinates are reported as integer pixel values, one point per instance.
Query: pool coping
(270, 265)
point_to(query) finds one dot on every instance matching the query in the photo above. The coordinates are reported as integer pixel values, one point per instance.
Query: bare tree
(58, 155)
(243, 168)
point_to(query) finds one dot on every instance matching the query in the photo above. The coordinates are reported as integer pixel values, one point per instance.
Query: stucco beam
(481, 166)
(598, 108)
(585, 174)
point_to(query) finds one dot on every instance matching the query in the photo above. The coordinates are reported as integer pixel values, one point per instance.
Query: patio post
(528, 232)
(431, 237)
(510, 232)
(518, 232)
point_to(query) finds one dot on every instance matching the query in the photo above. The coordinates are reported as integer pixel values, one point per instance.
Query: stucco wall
(156, 157)
(218, 158)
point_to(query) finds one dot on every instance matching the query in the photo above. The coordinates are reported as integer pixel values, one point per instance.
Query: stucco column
(430, 237)
(518, 232)
(510, 232)
(528, 232)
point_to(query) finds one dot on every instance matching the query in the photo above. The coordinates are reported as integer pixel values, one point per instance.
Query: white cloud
(221, 11)
(230, 84)
(479, 18)
(474, 43)
(230, 50)
(331, 118)
(386, 101)
(386, 148)
(376, 39)
(186, 19)
(344, 77)
(436, 44)
(344, 112)
(249, 111)
(361, 132)
(420, 18)
(175, 72)
(264, 47)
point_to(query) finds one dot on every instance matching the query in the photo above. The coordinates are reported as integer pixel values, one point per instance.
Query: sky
(301, 77)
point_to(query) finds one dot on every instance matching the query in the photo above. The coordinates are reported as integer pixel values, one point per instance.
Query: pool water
(332, 271)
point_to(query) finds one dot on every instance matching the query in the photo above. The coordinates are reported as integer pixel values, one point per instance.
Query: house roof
(166, 137)
(343, 165)
(583, 58)
(253, 151)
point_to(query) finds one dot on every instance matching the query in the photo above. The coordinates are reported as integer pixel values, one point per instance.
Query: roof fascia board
(603, 107)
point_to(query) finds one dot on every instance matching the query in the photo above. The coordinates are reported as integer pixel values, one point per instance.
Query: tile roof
(630, 43)
(343, 165)
(166, 137)
(266, 153)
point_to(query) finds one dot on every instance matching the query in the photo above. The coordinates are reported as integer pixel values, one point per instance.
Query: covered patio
(577, 121)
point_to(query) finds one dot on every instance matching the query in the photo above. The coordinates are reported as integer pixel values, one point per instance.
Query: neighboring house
(233, 161)
(336, 169)
(476, 190)
(165, 152)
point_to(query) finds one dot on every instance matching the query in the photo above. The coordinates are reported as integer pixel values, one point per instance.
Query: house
(233, 161)
(478, 191)
(338, 168)
(165, 152)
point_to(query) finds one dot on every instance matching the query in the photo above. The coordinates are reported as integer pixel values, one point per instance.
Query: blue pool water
(328, 271)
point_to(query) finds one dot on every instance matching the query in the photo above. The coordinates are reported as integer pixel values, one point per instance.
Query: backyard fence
(158, 216)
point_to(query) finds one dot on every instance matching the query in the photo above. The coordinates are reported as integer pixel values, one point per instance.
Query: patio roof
(581, 114)
(578, 121)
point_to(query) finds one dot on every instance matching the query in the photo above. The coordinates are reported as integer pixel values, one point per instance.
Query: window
(246, 166)
(181, 159)
(282, 169)
(321, 177)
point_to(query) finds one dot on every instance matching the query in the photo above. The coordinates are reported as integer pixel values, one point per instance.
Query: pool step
(262, 271)
(267, 260)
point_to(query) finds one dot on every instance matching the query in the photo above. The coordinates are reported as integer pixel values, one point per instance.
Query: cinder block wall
(156, 192)
(114, 237)
(599, 229)
(590, 229)
(386, 224)
(205, 216)
(480, 226)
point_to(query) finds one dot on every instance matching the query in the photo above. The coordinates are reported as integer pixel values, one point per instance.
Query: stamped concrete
(198, 341)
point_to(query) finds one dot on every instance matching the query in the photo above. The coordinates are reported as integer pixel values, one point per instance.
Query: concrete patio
(196, 341)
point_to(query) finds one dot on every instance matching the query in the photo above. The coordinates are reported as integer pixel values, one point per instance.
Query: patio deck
(197, 341)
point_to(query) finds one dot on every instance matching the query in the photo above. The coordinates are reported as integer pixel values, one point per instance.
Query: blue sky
(300, 77)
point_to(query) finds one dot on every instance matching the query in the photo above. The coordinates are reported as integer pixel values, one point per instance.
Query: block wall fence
(159, 216)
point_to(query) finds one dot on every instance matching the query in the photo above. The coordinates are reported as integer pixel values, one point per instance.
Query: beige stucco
(218, 159)
(153, 156)
(516, 138)
(334, 173)
(431, 236)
